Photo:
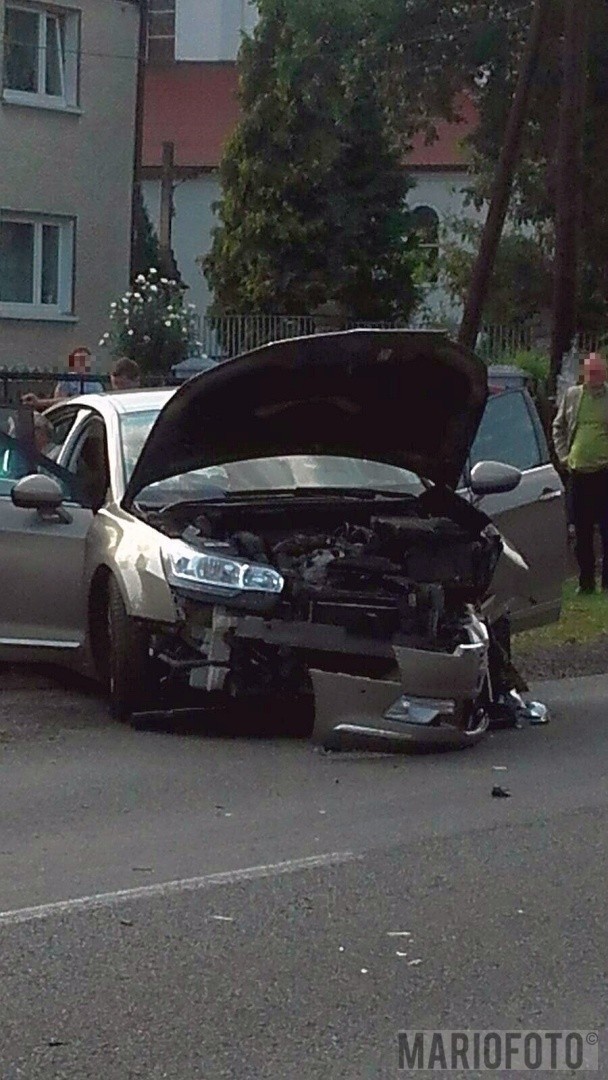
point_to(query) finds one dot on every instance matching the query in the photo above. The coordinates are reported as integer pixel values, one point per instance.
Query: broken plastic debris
(322, 811)
(538, 713)
(364, 971)
(341, 948)
(126, 922)
(499, 768)
(414, 963)
(398, 933)
(401, 954)
(223, 918)
(500, 792)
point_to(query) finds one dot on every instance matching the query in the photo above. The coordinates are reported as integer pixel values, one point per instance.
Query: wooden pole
(503, 183)
(569, 183)
(139, 126)
(166, 206)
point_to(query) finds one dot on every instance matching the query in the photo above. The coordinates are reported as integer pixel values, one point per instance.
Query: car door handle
(549, 494)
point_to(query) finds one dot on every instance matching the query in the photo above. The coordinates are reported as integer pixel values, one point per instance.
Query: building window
(161, 31)
(36, 266)
(41, 56)
(425, 224)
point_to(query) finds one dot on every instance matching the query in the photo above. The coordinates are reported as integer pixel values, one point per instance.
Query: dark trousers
(590, 508)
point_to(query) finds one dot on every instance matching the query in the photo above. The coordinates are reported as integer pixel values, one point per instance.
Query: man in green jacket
(580, 436)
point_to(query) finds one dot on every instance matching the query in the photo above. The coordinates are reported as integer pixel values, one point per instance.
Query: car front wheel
(132, 678)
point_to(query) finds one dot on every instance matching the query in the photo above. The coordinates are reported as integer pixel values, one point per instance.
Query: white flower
(168, 323)
(126, 297)
(140, 279)
(101, 343)
(137, 296)
(192, 307)
(113, 306)
(153, 288)
(164, 281)
(130, 333)
(152, 270)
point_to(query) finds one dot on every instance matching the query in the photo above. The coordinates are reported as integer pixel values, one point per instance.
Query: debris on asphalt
(538, 714)
(414, 963)
(223, 918)
(126, 922)
(341, 948)
(364, 971)
(401, 954)
(322, 811)
(499, 792)
(398, 933)
(57, 1042)
(143, 869)
(499, 768)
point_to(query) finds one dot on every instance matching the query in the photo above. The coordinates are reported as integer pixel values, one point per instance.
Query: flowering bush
(152, 324)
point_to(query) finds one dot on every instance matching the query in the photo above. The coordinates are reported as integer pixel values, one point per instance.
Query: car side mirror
(37, 492)
(494, 478)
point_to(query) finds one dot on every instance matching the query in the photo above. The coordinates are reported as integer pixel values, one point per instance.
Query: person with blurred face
(580, 435)
(79, 364)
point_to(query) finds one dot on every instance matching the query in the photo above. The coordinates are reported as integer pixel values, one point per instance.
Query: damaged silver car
(287, 526)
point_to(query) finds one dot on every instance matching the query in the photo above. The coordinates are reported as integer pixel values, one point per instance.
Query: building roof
(194, 105)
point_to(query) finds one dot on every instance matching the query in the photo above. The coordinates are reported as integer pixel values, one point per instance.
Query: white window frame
(63, 310)
(68, 62)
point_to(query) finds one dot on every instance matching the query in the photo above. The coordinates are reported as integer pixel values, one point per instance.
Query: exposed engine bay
(366, 580)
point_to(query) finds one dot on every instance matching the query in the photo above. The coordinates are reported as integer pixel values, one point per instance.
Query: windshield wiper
(320, 493)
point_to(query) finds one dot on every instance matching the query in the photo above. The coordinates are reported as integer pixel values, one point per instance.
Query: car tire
(132, 681)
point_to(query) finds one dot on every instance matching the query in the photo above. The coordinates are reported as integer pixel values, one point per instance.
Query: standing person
(79, 363)
(125, 374)
(580, 435)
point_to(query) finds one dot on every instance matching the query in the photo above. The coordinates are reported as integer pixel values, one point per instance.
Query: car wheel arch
(99, 593)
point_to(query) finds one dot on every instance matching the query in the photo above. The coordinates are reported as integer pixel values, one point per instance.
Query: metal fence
(227, 336)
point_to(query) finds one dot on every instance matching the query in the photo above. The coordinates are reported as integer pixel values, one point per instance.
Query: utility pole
(166, 207)
(503, 184)
(136, 195)
(569, 200)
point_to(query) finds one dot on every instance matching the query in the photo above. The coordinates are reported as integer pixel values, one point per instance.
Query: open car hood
(408, 398)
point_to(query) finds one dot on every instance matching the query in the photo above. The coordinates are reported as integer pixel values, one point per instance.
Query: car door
(533, 517)
(42, 607)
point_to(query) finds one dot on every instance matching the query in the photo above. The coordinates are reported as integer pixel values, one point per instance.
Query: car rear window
(509, 433)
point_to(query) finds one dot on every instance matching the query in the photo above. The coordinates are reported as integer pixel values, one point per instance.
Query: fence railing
(223, 337)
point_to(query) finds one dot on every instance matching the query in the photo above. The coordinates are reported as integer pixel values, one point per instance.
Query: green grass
(584, 619)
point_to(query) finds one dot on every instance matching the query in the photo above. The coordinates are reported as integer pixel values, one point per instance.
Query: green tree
(534, 197)
(520, 286)
(146, 252)
(313, 207)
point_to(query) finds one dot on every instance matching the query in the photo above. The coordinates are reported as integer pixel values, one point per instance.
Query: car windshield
(265, 474)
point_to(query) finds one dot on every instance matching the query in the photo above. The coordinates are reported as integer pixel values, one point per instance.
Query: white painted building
(191, 101)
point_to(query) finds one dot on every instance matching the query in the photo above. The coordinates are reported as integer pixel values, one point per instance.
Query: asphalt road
(231, 901)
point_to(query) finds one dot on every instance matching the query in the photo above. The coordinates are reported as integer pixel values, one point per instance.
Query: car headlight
(186, 566)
